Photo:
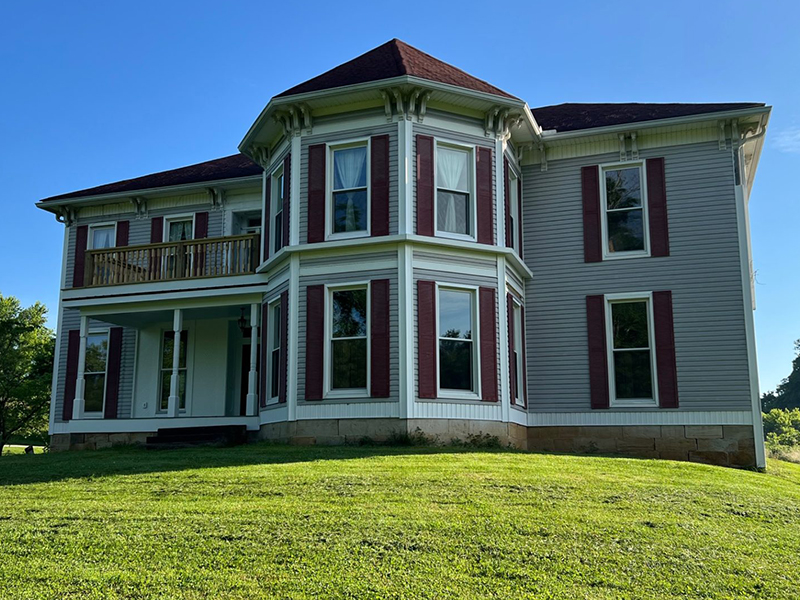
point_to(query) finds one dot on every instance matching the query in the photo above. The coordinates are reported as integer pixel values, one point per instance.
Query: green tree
(26, 368)
(787, 394)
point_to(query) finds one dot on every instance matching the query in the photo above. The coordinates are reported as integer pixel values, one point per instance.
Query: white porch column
(174, 403)
(80, 383)
(252, 396)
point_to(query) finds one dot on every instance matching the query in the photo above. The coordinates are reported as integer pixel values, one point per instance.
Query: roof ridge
(397, 53)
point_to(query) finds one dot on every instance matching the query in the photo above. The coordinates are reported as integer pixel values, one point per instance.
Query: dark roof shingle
(229, 167)
(572, 116)
(393, 59)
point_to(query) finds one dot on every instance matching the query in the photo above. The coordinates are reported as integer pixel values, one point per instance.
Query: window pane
(452, 212)
(349, 364)
(274, 373)
(169, 342)
(93, 392)
(629, 324)
(350, 313)
(96, 352)
(452, 169)
(455, 365)
(350, 168)
(276, 326)
(632, 376)
(180, 230)
(623, 188)
(102, 237)
(279, 187)
(455, 314)
(165, 385)
(625, 231)
(350, 211)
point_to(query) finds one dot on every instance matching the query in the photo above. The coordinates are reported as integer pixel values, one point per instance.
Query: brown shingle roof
(393, 59)
(572, 117)
(229, 167)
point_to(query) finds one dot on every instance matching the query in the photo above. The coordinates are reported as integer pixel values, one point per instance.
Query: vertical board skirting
(426, 338)
(484, 199)
(425, 203)
(316, 193)
(592, 236)
(379, 338)
(598, 355)
(666, 366)
(488, 342)
(315, 343)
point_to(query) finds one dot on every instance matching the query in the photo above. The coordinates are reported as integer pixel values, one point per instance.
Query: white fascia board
(134, 294)
(150, 192)
(638, 126)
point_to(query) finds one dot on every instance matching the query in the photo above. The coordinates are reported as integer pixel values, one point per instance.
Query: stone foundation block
(590, 445)
(738, 432)
(704, 431)
(709, 457)
(634, 444)
(59, 442)
(641, 431)
(676, 445)
(717, 445)
(601, 431)
(317, 427)
(673, 431)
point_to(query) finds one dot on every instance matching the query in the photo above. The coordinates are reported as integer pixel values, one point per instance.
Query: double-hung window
(516, 359)
(631, 349)
(455, 210)
(167, 350)
(457, 349)
(276, 218)
(625, 211)
(179, 229)
(348, 340)
(513, 196)
(94, 374)
(102, 236)
(274, 350)
(349, 197)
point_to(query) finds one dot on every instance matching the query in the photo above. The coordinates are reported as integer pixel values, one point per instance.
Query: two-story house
(400, 246)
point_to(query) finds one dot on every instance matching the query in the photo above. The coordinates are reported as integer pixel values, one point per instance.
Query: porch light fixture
(242, 322)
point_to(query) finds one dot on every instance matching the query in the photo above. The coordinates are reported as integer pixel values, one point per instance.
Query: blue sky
(94, 92)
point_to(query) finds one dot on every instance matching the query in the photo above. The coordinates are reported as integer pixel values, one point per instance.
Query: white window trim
(328, 391)
(93, 226)
(272, 209)
(473, 194)
(516, 231)
(271, 305)
(161, 412)
(519, 345)
(645, 211)
(182, 217)
(476, 336)
(631, 402)
(329, 212)
(101, 413)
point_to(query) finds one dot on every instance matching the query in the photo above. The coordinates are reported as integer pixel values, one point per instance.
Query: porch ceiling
(140, 319)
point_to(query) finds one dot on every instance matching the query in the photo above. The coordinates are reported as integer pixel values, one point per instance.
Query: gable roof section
(573, 116)
(393, 59)
(229, 167)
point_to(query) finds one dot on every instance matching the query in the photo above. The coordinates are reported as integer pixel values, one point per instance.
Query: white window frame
(332, 147)
(270, 333)
(273, 209)
(519, 342)
(604, 211)
(620, 299)
(182, 217)
(516, 238)
(101, 413)
(476, 336)
(329, 392)
(161, 369)
(93, 226)
(473, 195)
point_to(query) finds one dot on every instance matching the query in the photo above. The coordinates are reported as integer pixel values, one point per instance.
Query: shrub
(782, 432)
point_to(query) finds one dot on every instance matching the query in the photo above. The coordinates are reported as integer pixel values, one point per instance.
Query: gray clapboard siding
(703, 273)
(72, 320)
(332, 279)
(389, 129)
(453, 136)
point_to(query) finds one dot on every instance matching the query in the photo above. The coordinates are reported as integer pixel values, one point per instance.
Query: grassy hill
(286, 522)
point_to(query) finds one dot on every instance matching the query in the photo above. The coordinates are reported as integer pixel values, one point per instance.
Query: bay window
(456, 347)
(455, 212)
(625, 211)
(349, 196)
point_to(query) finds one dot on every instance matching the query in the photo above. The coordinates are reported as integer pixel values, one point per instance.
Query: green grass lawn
(288, 522)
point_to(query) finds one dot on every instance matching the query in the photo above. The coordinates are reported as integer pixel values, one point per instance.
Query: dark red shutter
(316, 193)
(592, 237)
(156, 230)
(200, 225)
(512, 367)
(379, 338)
(315, 342)
(287, 190)
(284, 346)
(657, 207)
(524, 361)
(426, 338)
(123, 230)
(666, 366)
(519, 215)
(113, 372)
(73, 349)
(263, 392)
(507, 199)
(488, 317)
(425, 190)
(81, 237)
(485, 209)
(267, 218)
(598, 352)
(379, 185)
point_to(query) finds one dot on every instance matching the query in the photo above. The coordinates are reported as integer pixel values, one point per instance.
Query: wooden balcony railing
(169, 261)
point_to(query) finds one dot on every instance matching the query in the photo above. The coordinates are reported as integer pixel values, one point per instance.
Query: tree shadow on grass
(121, 461)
